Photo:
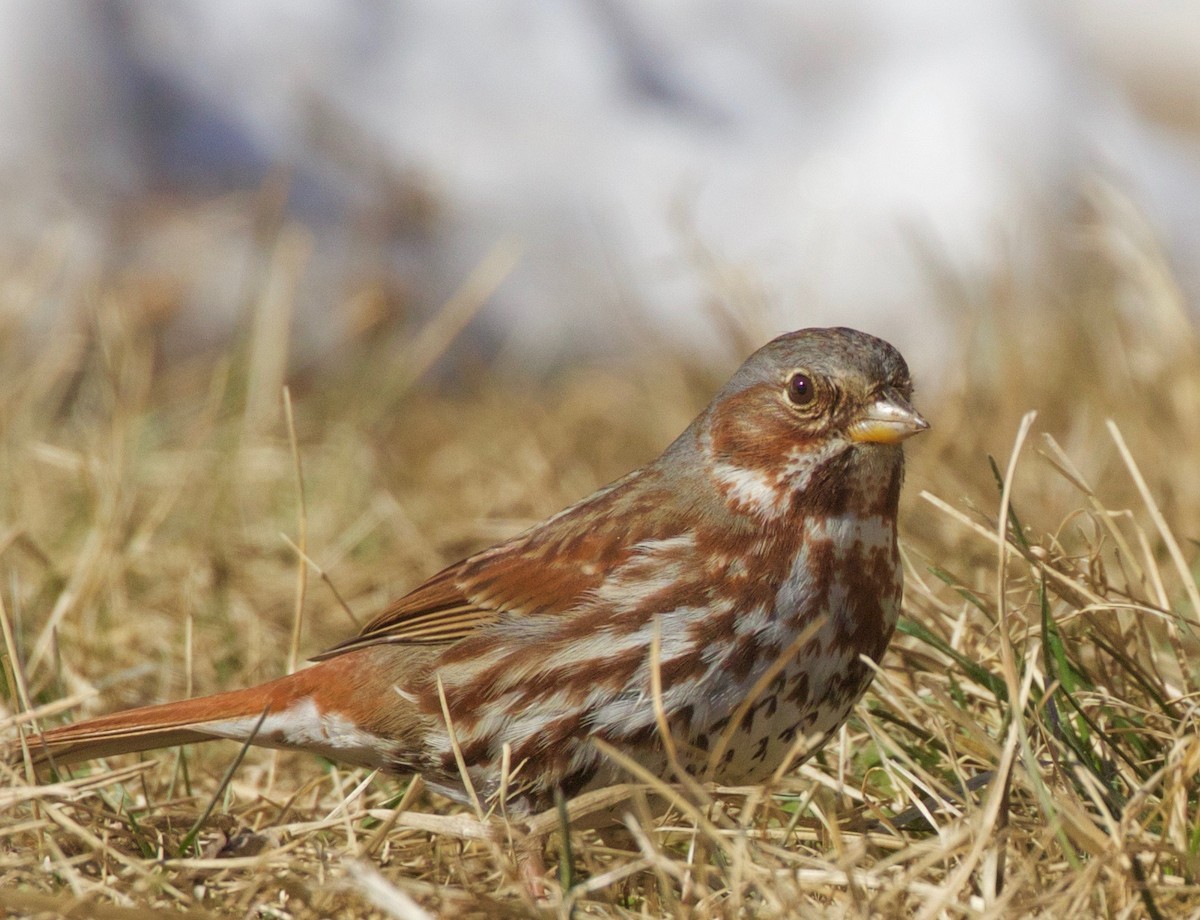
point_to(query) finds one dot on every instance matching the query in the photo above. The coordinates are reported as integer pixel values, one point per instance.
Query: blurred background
(571, 175)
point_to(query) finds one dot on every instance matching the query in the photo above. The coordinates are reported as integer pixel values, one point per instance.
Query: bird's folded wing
(546, 570)
(437, 611)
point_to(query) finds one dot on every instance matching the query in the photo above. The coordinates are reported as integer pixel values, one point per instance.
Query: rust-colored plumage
(758, 553)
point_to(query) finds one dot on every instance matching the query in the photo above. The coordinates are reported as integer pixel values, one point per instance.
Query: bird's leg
(531, 864)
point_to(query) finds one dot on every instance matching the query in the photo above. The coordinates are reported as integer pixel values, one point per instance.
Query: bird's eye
(800, 389)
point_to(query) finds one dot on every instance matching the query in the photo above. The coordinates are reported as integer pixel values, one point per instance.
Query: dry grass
(1030, 747)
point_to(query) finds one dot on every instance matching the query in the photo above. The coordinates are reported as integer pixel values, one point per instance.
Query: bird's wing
(437, 611)
(547, 569)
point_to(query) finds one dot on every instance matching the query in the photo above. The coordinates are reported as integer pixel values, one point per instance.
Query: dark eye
(800, 389)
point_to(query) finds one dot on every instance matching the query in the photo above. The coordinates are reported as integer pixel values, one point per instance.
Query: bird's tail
(291, 712)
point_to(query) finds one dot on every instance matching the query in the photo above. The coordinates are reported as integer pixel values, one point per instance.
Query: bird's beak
(889, 420)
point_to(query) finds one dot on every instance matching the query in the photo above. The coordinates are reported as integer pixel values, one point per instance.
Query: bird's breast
(837, 603)
(845, 576)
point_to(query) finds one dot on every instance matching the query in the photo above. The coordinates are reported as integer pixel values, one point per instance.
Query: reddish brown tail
(145, 729)
(302, 711)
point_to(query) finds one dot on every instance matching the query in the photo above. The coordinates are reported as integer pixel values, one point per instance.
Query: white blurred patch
(870, 162)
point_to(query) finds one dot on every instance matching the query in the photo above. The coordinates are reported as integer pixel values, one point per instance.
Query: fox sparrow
(752, 566)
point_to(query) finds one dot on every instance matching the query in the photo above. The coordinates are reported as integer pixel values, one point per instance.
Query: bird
(728, 594)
